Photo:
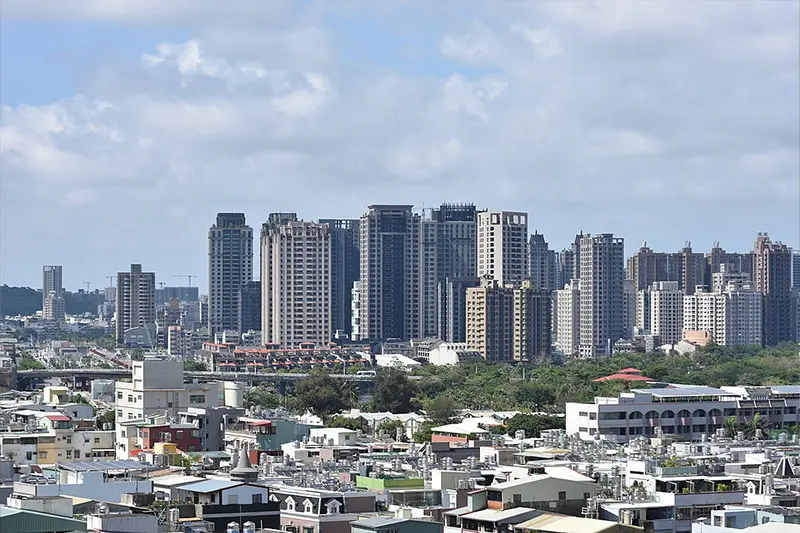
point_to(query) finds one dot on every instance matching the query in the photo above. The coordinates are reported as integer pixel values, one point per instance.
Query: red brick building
(185, 436)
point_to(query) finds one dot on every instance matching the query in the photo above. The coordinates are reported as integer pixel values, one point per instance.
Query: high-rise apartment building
(666, 311)
(230, 265)
(502, 246)
(732, 317)
(542, 263)
(734, 262)
(452, 308)
(691, 269)
(53, 305)
(566, 272)
(629, 303)
(345, 271)
(796, 271)
(508, 322)
(296, 283)
(568, 318)
(250, 307)
(389, 281)
(602, 270)
(447, 249)
(136, 300)
(772, 263)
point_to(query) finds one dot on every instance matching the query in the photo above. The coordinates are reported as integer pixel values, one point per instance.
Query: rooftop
(104, 466)
(211, 485)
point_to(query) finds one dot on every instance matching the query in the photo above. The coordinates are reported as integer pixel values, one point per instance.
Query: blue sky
(127, 125)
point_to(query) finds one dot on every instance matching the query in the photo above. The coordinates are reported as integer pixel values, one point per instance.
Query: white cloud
(567, 111)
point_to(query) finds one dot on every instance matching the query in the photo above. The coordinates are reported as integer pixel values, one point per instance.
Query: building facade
(296, 282)
(602, 265)
(136, 300)
(666, 311)
(508, 322)
(53, 307)
(502, 246)
(389, 282)
(250, 307)
(772, 277)
(452, 304)
(230, 265)
(542, 264)
(345, 271)
(568, 320)
(732, 316)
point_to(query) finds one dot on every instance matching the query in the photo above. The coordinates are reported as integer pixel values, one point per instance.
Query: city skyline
(630, 117)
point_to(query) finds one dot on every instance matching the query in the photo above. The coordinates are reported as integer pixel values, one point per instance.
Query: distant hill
(19, 300)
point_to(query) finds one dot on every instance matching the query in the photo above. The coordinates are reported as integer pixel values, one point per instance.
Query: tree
(26, 362)
(533, 425)
(191, 365)
(262, 398)
(441, 410)
(390, 427)
(321, 394)
(137, 355)
(109, 416)
(424, 432)
(754, 425)
(731, 427)
(393, 392)
(338, 421)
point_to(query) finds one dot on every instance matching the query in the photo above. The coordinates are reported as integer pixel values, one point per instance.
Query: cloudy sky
(126, 126)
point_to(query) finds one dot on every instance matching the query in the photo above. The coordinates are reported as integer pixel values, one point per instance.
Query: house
(221, 492)
(459, 434)
(334, 436)
(550, 492)
(321, 511)
(169, 485)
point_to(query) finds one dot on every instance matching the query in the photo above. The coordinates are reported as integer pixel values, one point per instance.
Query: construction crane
(110, 280)
(190, 276)
(161, 284)
(88, 284)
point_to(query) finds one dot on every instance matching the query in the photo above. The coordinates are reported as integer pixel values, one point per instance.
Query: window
(562, 495)
(179, 435)
(587, 495)
(290, 504)
(119, 395)
(197, 398)
(97, 440)
(308, 529)
(130, 398)
(195, 433)
(29, 456)
(69, 454)
(69, 440)
(77, 454)
(257, 498)
(308, 507)
(42, 455)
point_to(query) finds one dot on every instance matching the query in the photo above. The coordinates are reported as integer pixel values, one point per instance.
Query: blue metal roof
(210, 485)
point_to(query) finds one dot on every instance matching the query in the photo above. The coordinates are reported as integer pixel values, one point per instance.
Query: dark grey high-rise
(389, 279)
(250, 307)
(345, 270)
(542, 264)
(448, 250)
(772, 264)
(452, 307)
(230, 265)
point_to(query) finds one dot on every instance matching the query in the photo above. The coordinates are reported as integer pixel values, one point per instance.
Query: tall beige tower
(136, 300)
(296, 282)
(666, 311)
(602, 269)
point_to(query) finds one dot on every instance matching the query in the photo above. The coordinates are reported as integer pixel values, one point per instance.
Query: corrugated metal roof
(210, 485)
(104, 466)
(26, 521)
(566, 524)
(172, 481)
(496, 515)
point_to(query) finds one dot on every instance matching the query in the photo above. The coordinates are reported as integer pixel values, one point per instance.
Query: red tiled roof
(58, 418)
(630, 371)
(624, 377)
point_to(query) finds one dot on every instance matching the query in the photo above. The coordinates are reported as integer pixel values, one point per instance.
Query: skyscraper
(542, 263)
(666, 311)
(731, 316)
(602, 269)
(691, 269)
(568, 321)
(508, 322)
(250, 307)
(230, 265)
(448, 250)
(136, 300)
(52, 293)
(344, 270)
(772, 263)
(452, 304)
(296, 282)
(388, 289)
(796, 271)
(502, 246)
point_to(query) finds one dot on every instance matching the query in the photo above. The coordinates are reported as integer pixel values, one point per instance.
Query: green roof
(26, 521)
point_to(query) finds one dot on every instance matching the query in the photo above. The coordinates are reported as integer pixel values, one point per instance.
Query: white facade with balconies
(682, 411)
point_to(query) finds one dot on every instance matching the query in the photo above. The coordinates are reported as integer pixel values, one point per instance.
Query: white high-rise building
(54, 307)
(296, 282)
(666, 311)
(731, 316)
(503, 246)
(602, 271)
(568, 319)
